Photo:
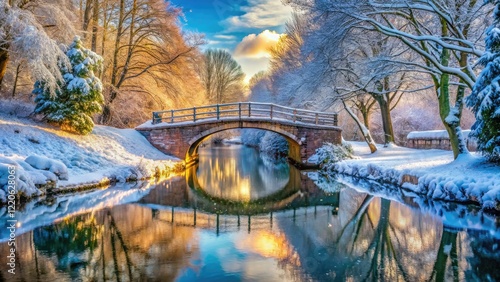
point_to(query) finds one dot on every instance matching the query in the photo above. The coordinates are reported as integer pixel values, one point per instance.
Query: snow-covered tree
(79, 95)
(28, 30)
(485, 96)
(444, 34)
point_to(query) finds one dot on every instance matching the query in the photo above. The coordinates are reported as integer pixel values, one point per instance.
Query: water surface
(236, 217)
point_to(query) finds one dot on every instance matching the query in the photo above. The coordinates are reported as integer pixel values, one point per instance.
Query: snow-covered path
(430, 172)
(107, 153)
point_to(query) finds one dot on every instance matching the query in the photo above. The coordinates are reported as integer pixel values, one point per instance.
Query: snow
(54, 166)
(453, 116)
(433, 134)
(43, 154)
(437, 175)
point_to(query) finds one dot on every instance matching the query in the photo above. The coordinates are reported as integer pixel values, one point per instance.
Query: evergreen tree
(485, 96)
(79, 95)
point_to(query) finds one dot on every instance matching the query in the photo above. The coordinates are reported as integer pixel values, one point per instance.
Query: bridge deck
(150, 125)
(245, 111)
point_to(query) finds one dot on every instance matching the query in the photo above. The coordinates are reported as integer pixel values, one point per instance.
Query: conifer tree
(485, 96)
(79, 95)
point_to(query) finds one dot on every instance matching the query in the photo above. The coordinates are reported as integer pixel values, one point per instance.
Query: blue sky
(246, 28)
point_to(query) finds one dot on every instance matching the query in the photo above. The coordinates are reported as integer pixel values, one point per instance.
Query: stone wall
(421, 140)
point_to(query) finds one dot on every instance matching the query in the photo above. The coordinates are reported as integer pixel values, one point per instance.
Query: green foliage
(79, 95)
(485, 97)
(68, 240)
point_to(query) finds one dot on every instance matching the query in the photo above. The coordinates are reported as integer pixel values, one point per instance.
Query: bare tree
(148, 46)
(222, 76)
(443, 33)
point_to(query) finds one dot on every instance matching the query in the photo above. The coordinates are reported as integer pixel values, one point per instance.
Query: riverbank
(429, 173)
(49, 160)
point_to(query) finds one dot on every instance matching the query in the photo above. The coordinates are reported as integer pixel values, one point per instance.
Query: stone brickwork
(182, 140)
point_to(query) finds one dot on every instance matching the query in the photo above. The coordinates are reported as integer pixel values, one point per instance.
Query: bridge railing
(245, 110)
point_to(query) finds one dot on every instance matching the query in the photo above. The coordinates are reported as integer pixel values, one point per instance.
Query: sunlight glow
(268, 244)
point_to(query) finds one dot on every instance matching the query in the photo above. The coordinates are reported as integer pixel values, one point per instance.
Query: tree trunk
(18, 71)
(4, 60)
(104, 34)
(117, 50)
(366, 118)
(366, 133)
(86, 17)
(95, 23)
(451, 120)
(385, 112)
(457, 141)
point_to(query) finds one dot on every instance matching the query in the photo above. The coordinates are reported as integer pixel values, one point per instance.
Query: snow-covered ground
(433, 173)
(43, 154)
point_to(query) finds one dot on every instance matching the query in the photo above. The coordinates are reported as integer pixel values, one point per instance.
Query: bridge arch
(294, 142)
(180, 132)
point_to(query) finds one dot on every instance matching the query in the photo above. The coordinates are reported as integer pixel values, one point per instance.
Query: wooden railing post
(218, 112)
(194, 114)
(171, 116)
(335, 121)
(239, 110)
(316, 118)
(249, 109)
(294, 115)
(271, 111)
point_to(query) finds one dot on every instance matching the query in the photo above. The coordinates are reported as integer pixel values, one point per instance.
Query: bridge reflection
(183, 201)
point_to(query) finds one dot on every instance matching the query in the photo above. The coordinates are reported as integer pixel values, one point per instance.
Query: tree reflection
(368, 239)
(68, 240)
(381, 240)
(447, 248)
(126, 243)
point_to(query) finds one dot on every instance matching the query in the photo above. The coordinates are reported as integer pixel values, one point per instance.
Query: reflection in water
(239, 174)
(169, 236)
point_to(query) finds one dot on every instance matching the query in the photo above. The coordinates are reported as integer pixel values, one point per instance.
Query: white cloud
(257, 46)
(225, 37)
(259, 14)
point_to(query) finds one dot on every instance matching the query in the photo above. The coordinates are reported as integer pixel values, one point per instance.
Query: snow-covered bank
(44, 211)
(432, 173)
(453, 215)
(46, 156)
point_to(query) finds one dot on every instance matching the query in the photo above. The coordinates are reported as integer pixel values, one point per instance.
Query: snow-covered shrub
(274, 145)
(79, 95)
(269, 143)
(23, 181)
(485, 96)
(54, 166)
(252, 137)
(331, 153)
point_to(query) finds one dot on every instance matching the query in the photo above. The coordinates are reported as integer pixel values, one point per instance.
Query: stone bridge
(180, 132)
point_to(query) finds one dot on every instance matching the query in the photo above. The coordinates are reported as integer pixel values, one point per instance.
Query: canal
(237, 216)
